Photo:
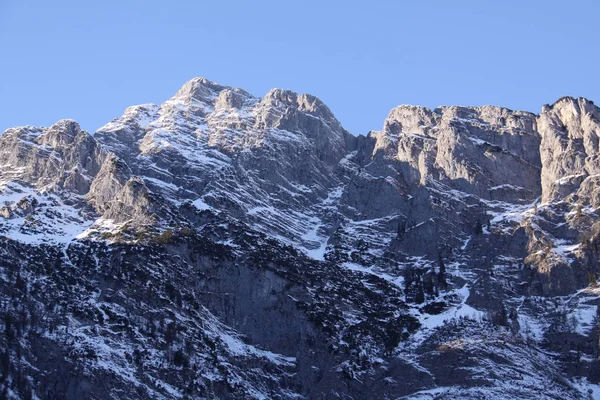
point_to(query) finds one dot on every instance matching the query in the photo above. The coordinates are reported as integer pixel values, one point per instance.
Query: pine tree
(8, 323)
(5, 364)
(478, 228)
(171, 333)
(442, 273)
(500, 317)
(408, 278)
(420, 296)
(401, 229)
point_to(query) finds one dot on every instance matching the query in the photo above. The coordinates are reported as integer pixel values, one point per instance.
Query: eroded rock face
(109, 181)
(132, 203)
(491, 152)
(208, 141)
(221, 245)
(569, 149)
(62, 156)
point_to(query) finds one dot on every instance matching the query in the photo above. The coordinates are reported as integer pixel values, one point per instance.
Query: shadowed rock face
(221, 245)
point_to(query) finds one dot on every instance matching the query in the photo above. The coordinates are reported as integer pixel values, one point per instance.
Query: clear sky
(88, 60)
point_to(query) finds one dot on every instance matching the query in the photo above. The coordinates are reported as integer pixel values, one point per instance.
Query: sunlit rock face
(569, 149)
(485, 151)
(222, 245)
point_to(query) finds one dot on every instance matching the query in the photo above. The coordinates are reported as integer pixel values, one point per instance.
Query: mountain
(220, 245)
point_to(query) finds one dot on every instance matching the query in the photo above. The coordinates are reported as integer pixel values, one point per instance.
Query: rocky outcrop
(107, 184)
(491, 152)
(135, 204)
(569, 150)
(62, 156)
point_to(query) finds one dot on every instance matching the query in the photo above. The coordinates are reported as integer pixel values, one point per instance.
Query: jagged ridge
(418, 243)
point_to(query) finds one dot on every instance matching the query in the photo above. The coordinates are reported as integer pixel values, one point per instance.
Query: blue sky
(89, 60)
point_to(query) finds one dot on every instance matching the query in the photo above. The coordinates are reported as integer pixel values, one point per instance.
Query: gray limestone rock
(62, 156)
(222, 245)
(109, 181)
(569, 148)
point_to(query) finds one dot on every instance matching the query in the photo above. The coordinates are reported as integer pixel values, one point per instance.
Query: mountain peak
(63, 132)
(579, 103)
(199, 89)
(303, 102)
(66, 126)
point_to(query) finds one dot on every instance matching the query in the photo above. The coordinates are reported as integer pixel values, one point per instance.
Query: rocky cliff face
(62, 156)
(569, 149)
(220, 245)
(490, 152)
